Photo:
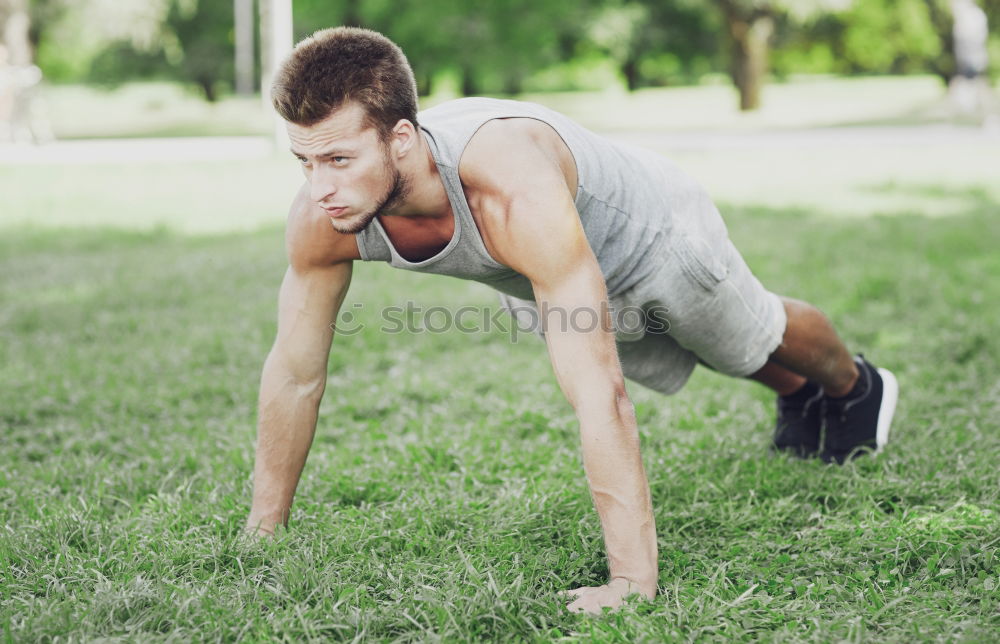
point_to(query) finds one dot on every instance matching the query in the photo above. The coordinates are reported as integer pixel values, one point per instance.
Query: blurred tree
(430, 34)
(894, 36)
(111, 41)
(204, 31)
(877, 37)
(492, 46)
(71, 34)
(939, 13)
(750, 26)
(625, 30)
(651, 40)
(496, 46)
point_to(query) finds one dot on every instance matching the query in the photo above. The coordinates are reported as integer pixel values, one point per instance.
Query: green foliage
(889, 36)
(204, 32)
(493, 46)
(656, 43)
(110, 43)
(872, 36)
(70, 35)
(119, 61)
(510, 45)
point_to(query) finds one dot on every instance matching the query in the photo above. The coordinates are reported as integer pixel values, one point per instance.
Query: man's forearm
(617, 479)
(285, 429)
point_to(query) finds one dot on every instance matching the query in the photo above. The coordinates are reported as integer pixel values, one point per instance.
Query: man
(523, 199)
(970, 89)
(971, 33)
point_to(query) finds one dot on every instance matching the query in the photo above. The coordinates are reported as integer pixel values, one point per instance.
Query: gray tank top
(630, 200)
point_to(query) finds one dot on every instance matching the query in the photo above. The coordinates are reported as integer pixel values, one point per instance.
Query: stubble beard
(398, 190)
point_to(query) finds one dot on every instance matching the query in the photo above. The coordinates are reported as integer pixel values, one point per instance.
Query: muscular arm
(294, 375)
(532, 226)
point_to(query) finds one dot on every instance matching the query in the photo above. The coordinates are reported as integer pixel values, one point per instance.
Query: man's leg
(810, 350)
(821, 387)
(778, 378)
(829, 403)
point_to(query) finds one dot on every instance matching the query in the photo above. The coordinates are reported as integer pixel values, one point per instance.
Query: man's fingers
(586, 599)
(590, 604)
(593, 599)
(576, 592)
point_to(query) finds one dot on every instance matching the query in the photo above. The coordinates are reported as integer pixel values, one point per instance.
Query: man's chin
(353, 225)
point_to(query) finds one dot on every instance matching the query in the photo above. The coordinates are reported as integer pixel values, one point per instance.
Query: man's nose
(321, 185)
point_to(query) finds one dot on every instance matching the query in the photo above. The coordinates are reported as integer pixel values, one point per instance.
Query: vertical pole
(276, 43)
(243, 28)
(14, 26)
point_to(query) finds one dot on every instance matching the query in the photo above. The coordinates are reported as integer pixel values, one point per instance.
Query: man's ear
(404, 138)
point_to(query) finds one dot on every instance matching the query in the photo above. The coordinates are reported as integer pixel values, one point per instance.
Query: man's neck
(427, 196)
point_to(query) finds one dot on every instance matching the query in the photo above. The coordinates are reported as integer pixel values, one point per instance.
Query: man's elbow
(607, 400)
(310, 388)
(624, 406)
(304, 380)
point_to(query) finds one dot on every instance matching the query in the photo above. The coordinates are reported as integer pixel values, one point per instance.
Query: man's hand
(592, 599)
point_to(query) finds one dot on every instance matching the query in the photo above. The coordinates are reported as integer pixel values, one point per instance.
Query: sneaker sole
(886, 410)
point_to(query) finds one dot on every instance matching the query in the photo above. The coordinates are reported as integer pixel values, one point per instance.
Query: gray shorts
(700, 302)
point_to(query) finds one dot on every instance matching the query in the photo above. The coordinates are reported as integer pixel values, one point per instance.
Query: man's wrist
(628, 586)
(265, 522)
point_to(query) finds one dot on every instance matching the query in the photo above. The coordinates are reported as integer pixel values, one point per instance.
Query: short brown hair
(342, 64)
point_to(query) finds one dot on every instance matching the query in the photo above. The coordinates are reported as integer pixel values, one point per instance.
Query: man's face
(351, 174)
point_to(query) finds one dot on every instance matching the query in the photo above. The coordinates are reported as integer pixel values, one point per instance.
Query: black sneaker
(797, 429)
(859, 422)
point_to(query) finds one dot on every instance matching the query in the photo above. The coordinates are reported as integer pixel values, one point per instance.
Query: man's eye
(303, 160)
(340, 160)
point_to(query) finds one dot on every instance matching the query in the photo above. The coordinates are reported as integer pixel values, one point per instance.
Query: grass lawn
(444, 498)
(149, 110)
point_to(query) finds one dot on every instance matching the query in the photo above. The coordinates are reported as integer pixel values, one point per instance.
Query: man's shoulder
(516, 155)
(505, 147)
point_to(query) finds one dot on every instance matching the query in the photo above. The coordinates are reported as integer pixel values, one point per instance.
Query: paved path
(816, 138)
(94, 151)
(250, 148)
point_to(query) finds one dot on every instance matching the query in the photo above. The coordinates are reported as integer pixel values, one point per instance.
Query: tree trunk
(513, 82)
(352, 14)
(630, 69)
(470, 85)
(425, 82)
(207, 86)
(751, 46)
(943, 66)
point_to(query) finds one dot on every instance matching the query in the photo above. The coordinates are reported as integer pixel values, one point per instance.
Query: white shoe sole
(890, 395)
